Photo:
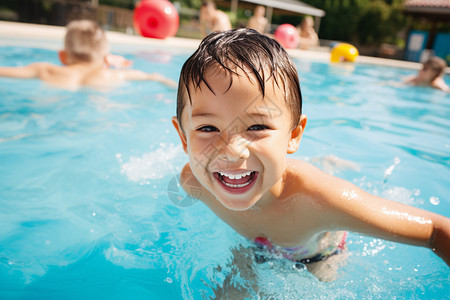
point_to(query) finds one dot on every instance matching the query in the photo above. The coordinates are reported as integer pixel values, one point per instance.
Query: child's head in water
(239, 111)
(85, 42)
(431, 70)
(263, 57)
(431, 74)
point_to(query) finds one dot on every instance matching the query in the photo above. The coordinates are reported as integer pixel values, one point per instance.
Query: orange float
(156, 19)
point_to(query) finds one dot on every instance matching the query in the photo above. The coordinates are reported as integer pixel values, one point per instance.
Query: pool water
(90, 207)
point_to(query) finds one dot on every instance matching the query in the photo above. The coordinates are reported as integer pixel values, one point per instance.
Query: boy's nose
(235, 149)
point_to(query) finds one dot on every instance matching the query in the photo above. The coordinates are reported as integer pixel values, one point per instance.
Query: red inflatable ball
(156, 19)
(287, 36)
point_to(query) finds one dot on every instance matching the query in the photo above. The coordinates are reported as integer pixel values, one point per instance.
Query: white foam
(401, 194)
(152, 165)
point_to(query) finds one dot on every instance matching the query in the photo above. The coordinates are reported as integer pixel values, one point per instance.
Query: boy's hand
(118, 61)
(440, 240)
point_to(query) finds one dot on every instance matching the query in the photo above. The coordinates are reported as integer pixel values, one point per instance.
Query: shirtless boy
(85, 62)
(213, 19)
(308, 36)
(431, 74)
(239, 112)
(258, 21)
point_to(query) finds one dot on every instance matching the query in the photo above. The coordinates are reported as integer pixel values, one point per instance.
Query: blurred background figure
(258, 21)
(431, 74)
(308, 36)
(86, 61)
(213, 19)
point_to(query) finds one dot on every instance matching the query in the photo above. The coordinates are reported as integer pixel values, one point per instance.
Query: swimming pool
(90, 203)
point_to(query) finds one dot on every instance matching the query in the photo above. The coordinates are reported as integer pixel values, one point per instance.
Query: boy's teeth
(235, 176)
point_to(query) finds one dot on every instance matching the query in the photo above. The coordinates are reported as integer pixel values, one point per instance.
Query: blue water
(86, 213)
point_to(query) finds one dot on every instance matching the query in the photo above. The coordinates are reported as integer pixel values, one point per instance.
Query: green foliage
(119, 3)
(190, 3)
(363, 22)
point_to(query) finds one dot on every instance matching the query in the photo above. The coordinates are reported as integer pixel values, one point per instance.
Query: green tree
(363, 22)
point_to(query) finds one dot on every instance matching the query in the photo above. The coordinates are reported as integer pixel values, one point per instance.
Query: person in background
(213, 19)
(86, 62)
(258, 21)
(431, 74)
(307, 34)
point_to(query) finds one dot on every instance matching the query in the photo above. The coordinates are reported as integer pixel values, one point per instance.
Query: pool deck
(44, 36)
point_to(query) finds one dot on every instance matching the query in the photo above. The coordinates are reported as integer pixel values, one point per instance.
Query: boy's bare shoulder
(48, 71)
(309, 180)
(302, 172)
(440, 84)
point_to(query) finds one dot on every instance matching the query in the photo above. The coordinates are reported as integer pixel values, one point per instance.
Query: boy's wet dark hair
(437, 64)
(241, 49)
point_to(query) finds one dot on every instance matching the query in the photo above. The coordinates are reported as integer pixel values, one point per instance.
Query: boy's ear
(62, 56)
(183, 139)
(296, 135)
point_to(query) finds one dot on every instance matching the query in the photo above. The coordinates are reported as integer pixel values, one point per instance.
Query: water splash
(434, 200)
(390, 169)
(153, 165)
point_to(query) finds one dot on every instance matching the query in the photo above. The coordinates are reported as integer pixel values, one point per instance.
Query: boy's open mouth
(236, 183)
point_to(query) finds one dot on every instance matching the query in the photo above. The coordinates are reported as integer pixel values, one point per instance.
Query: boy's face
(237, 140)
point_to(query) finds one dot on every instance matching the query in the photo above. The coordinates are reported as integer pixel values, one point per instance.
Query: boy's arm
(140, 75)
(29, 71)
(356, 210)
(439, 84)
(409, 79)
(118, 61)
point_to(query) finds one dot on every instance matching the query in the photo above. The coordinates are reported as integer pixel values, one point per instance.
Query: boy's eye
(208, 129)
(258, 127)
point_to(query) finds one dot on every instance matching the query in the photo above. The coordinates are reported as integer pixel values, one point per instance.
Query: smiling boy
(239, 112)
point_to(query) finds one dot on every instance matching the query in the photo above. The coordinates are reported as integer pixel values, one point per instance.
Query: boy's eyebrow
(253, 115)
(258, 114)
(261, 112)
(202, 114)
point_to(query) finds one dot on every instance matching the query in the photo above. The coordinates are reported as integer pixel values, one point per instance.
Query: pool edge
(51, 37)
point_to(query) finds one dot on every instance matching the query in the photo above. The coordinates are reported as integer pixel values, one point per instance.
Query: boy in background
(431, 74)
(86, 62)
(213, 19)
(307, 35)
(258, 21)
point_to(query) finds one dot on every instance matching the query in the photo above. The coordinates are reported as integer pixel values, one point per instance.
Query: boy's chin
(237, 205)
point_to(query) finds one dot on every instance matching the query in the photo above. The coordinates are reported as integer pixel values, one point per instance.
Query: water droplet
(434, 200)
(168, 280)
